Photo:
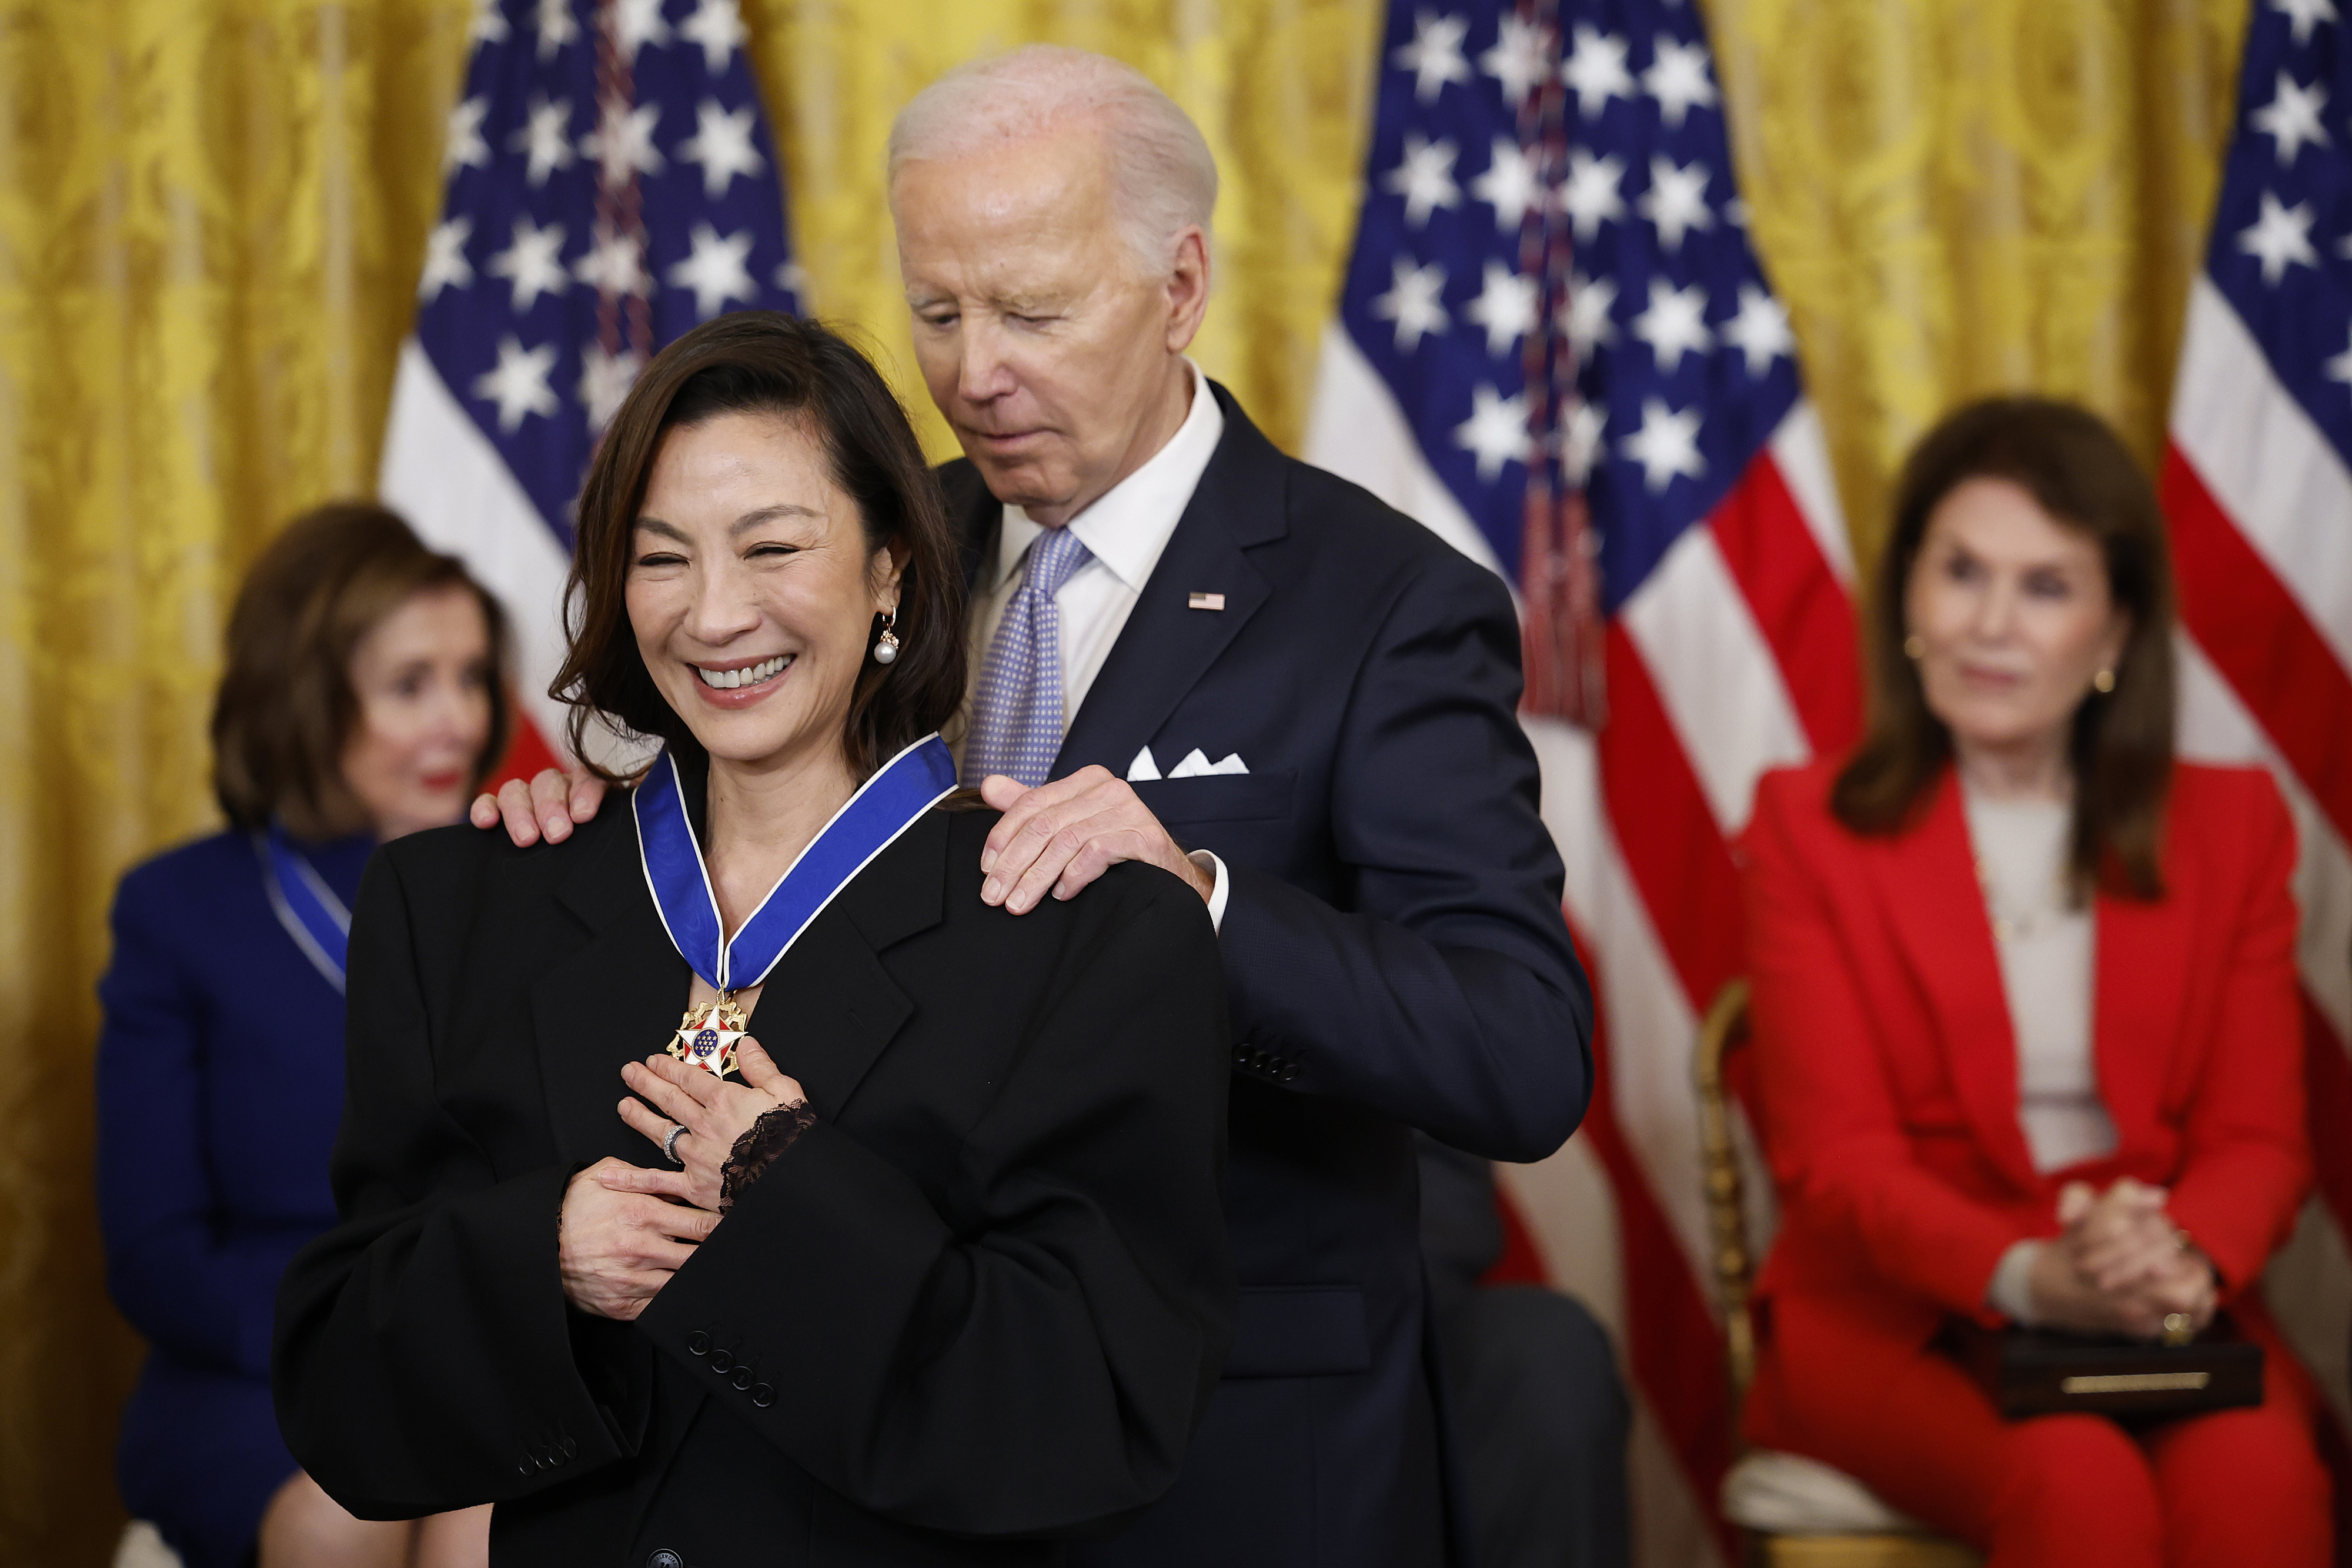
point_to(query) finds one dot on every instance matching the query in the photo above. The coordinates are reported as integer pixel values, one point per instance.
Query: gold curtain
(1961, 197)
(211, 216)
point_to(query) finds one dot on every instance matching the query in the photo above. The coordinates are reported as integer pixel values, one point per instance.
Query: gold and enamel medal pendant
(706, 1035)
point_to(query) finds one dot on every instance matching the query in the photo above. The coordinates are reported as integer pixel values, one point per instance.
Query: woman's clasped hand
(2120, 1265)
(626, 1228)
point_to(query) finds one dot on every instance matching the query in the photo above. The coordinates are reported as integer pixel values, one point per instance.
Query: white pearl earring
(886, 647)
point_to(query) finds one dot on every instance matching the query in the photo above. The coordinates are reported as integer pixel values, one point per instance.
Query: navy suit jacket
(220, 1082)
(1396, 958)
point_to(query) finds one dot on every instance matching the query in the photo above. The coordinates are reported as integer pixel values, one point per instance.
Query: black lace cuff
(757, 1149)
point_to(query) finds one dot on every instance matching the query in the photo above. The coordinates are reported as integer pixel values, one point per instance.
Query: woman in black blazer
(940, 1275)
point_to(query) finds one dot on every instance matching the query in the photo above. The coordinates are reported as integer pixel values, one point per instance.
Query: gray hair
(1162, 177)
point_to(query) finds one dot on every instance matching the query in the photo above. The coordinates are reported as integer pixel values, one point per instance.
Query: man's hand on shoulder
(1060, 836)
(546, 808)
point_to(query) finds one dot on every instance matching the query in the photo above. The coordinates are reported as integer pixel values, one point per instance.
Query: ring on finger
(669, 1145)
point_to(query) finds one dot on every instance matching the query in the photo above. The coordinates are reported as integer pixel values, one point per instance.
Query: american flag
(1556, 346)
(2258, 486)
(610, 184)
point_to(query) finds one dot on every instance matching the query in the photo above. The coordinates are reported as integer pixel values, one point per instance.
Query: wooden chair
(1791, 1513)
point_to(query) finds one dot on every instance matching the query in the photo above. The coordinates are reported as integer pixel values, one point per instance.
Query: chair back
(1725, 1031)
(1857, 1529)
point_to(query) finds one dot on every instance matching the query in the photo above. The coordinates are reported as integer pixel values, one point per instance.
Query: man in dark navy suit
(1196, 652)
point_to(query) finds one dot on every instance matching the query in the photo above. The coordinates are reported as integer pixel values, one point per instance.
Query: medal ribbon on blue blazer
(305, 905)
(885, 806)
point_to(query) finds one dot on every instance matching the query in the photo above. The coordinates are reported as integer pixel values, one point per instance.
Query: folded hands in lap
(2120, 1265)
(624, 1228)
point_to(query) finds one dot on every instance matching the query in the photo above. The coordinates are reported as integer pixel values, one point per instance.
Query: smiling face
(422, 675)
(750, 590)
(1057, 362)
(2014, 615)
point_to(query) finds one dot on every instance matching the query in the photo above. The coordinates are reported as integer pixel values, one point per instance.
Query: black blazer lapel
(617, 1000)
(1166, 645)
(829, 1007)
(974, 514)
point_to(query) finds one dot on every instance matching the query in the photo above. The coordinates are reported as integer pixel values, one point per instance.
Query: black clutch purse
(2040, 1372)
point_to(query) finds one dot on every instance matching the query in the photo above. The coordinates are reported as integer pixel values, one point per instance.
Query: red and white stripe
(1736, 655)
(441, 473)
(2258, 500)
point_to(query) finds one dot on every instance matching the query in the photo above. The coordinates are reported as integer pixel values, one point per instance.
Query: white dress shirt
(1125, 529)
(2046, 948)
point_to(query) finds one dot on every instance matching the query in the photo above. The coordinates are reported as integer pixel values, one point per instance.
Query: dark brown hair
(286, 705)
(2083, 477)
(760, 361)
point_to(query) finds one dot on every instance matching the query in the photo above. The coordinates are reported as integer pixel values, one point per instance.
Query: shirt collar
(1128, 525)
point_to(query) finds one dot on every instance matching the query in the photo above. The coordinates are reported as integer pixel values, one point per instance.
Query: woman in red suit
(2028, 1040)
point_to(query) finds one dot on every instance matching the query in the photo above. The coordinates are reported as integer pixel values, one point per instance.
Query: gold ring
(2178, 1330)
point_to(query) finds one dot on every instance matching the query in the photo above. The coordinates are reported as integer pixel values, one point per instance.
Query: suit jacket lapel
(974, 513)
(616, 1000)
(1928, 885)
(830, 1006)
(1166, 646)
(2141, 971)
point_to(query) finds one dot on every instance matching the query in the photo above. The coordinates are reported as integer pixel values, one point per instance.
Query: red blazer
(1886, 1074)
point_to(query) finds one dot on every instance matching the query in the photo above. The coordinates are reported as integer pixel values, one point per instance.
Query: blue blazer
(220, 1085)
(1395, 957)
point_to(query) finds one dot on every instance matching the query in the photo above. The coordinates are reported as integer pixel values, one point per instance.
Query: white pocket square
(1196, 765)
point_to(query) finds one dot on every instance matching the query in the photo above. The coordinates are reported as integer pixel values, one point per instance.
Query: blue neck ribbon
(885, 806)
(305, 905)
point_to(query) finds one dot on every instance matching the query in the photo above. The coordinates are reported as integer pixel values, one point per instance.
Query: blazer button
(567, 1448)
(722, 1362)
(665, 1558)
(698, 1342)
(743, 1378)
(524, 1466)
(1289, 1071)
(764, 1395)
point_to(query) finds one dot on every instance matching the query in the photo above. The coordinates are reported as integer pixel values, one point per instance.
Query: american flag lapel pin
(1196, 600)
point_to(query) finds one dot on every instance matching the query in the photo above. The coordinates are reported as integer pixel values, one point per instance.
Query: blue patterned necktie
(1016, 709)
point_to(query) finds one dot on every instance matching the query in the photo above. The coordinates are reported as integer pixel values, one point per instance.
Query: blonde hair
(1163, 179)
